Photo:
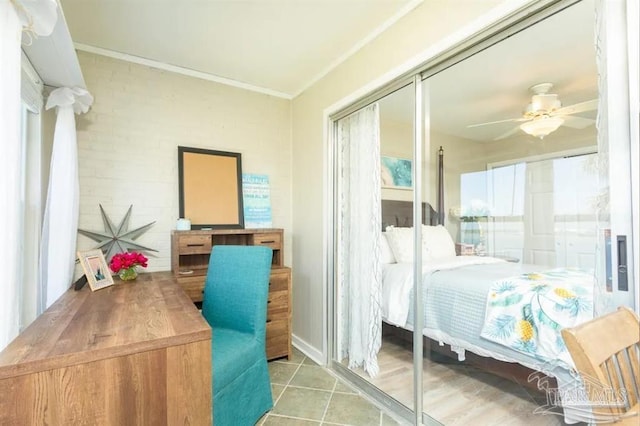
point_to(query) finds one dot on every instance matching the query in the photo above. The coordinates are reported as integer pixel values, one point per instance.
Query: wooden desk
(136, 353)
(190, 255)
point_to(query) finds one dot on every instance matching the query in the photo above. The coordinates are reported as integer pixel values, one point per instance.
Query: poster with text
(257, 201)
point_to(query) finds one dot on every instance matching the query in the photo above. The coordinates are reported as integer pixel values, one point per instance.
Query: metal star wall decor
(117, 239)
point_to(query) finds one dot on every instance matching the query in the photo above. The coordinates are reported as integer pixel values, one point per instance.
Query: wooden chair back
(606, 353)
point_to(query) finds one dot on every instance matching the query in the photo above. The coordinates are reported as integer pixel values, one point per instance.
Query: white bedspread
(454, 305)
(397, 283)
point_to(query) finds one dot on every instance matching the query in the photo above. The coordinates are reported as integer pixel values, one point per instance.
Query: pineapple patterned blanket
(527, 312)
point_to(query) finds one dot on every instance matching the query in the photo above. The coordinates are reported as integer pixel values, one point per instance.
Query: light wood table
(135, 353)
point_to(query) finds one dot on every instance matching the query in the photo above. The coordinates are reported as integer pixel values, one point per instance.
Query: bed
(461, 320)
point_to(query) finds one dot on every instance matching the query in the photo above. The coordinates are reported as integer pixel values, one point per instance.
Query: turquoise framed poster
(256, 197)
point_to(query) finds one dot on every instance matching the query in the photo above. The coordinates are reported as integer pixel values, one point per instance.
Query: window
(541, 210)
(31, 194)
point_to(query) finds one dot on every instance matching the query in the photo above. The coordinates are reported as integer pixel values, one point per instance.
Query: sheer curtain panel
(41, 17)
(38, 17)
(360, 271)
(10, 152)
(60, 223)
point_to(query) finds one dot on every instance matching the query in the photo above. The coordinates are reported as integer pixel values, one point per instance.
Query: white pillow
(386, 252)
(401, 243)
(438, 242)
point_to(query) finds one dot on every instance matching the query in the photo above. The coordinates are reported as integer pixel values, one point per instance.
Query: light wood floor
(455, 394)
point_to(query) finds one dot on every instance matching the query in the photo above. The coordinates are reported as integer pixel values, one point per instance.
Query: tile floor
(307, 394)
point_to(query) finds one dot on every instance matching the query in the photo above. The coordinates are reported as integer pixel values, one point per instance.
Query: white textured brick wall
(128, 145)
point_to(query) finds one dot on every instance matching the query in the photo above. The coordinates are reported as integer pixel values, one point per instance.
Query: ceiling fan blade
(577, 122)
(496, 122)
(509, 133)
(576, 108)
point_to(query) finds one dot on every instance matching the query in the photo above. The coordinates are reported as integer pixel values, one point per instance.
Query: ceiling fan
(545, 114)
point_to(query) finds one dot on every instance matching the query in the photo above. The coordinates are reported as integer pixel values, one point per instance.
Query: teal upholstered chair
(235, 306)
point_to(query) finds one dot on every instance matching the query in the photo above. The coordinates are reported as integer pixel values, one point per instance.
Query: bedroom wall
(127, 145)
(460, 156)
(396, 140)
(429, 26)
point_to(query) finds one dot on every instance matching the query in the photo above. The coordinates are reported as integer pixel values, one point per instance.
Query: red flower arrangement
(124, 264)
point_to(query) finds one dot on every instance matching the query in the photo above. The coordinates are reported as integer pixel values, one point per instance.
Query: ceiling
(281, 47)
(275, 46)
(494, 84)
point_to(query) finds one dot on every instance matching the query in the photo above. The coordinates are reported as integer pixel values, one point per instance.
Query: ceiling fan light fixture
(542, 126)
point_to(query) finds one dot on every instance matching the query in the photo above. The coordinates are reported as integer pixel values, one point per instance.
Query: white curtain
(38, 17)
(11, 15)
(10, 152)
(60, 222)
(359, 269)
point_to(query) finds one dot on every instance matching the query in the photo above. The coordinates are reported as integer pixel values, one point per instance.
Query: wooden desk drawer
(277, 315)
(278, 291)
(193, 286)
(194, 244)
(278, 302)
(273, 240)
(278, 335)
(279, 280)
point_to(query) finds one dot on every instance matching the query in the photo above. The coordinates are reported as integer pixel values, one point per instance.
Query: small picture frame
(95, 269)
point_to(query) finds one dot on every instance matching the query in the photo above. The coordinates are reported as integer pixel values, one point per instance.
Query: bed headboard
(400, 213)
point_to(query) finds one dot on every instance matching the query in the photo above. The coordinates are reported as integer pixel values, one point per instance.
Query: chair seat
(233, 353)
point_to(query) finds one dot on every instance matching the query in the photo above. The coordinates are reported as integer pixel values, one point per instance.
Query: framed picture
(396, 173)
(210, 188)
(257, 201)
(95, 269)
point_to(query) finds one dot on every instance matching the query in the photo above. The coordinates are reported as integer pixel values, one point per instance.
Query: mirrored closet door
(521, 210)
(374, 193)
(507, 149)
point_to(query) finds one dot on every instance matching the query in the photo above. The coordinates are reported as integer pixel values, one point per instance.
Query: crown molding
(179, 70)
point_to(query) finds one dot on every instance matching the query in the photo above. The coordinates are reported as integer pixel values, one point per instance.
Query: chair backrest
(606, 353)
(236, 288)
